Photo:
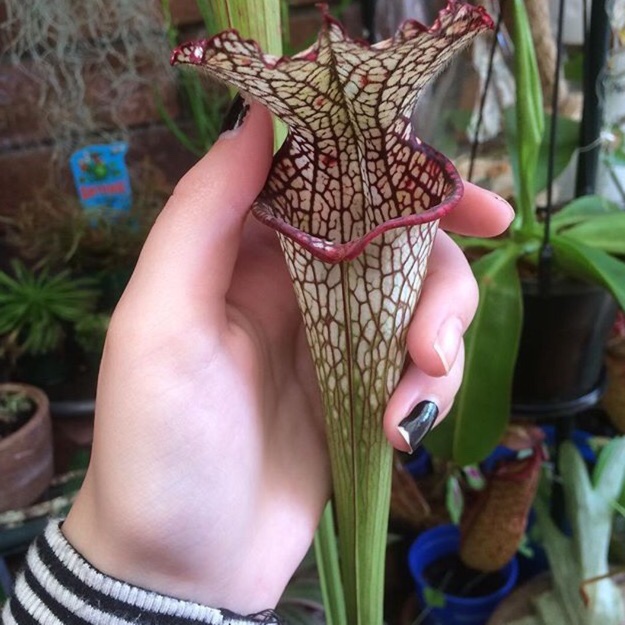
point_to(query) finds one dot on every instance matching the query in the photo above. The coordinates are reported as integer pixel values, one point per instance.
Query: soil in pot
(15, 411)
(431, 557)
(451, 576)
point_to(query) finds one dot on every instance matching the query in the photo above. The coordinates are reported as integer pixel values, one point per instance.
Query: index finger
(480, 213)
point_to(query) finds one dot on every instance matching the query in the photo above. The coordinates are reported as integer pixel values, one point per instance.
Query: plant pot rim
(42, 409)
(561, 284)
(451, 534)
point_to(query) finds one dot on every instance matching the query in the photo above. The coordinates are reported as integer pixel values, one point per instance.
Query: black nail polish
(236, 114)
(418, 423)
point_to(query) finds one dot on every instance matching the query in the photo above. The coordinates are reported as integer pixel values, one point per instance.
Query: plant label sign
(101, 176)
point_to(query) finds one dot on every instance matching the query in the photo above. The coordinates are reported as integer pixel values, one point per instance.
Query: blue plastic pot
(420, 465)
(580, 438)
(441, 541)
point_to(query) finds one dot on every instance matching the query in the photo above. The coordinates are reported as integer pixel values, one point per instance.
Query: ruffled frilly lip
(338, 251)
(351, 168)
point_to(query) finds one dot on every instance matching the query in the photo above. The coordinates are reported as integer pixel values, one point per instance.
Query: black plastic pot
(561, 351)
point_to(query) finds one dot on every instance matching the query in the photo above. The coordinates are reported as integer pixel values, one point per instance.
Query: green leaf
(606, 232)
(454, 501)
(480, 413)
(37, 307)
(173, 127)
(610, 464)
(327, 556)
(529, 114)
(434, 598)
(525, 547)
(591, 264)
(567, 138)
(474, 477)
(582, 208)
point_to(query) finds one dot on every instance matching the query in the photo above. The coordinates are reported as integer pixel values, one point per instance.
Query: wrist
(57, 582)
(145, 557)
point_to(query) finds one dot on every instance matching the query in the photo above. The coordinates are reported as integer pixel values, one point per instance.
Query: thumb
(186, 264)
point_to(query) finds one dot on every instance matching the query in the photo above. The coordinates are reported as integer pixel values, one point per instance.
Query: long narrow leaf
(529, 112)
(592, 264)
(173, 127)
(567, 140)
(605, 232)
(582, 208)
(481, 410)
(326, 552)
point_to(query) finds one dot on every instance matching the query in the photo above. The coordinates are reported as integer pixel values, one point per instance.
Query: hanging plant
(90, 61)
(355, 197)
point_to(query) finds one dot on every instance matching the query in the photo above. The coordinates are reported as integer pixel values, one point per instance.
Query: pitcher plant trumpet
(355, 198)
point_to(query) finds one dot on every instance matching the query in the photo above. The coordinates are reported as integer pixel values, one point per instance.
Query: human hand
(209, 469)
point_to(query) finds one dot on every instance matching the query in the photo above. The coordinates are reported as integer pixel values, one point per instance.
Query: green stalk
(529, 118)
(327, 557)
(254, 19)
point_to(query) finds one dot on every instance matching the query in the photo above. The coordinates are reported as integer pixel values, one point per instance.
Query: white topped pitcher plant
(355, 198)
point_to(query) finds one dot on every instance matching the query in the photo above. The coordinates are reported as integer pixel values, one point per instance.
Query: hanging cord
(489, 73)
(546, 251)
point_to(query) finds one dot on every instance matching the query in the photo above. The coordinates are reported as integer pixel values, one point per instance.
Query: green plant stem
(254, 19)
(259, 20)
(530, 118)
(327, 556)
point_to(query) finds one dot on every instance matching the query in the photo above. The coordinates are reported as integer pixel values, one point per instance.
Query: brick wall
(27, 157)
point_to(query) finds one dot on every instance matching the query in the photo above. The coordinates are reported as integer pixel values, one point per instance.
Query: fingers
(187, 262)
(427, 389)
(420, 401)
(479, 213)
(445, 310)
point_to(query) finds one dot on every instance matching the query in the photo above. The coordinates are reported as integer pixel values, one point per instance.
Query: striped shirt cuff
(58, 586)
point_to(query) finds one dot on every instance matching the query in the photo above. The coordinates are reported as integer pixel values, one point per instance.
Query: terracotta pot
(26, 459)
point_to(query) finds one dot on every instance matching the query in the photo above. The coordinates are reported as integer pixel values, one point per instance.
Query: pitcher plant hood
(351, 166)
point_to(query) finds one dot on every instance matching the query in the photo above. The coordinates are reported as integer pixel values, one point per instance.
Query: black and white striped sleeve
(59, 587)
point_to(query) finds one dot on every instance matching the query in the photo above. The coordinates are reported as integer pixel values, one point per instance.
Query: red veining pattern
(355, 197)
(350, 101)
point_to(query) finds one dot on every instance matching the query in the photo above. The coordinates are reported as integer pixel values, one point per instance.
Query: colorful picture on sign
(101, 176)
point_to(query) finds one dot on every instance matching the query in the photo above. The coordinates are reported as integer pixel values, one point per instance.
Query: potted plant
(581, 248)
(463, 571)
(54, 230)
(98, 247)
(41, 315)
(450, 592)
(582, 589)
(26, 463)
(37, 311)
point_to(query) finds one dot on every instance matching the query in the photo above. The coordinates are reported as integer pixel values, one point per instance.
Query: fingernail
(506, 203)
(235, 115)
(418, 423)
(448, 341)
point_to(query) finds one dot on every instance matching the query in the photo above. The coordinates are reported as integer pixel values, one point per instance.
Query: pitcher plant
(355, 198)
